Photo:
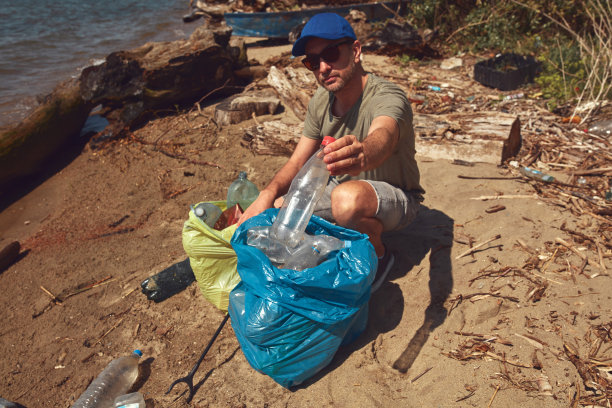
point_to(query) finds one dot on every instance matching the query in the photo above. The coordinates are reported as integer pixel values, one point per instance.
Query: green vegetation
(573, 40)
(404, 60)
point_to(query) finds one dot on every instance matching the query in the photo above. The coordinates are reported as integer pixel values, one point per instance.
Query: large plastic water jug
(242, 191)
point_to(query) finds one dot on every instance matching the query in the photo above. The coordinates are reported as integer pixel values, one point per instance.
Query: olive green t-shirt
(379, 98)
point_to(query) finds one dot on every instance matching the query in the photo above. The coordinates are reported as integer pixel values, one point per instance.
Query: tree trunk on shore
(131, 87)
(24, 148)
(134, 85)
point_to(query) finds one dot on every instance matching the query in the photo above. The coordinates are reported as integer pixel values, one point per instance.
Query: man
(375, 179)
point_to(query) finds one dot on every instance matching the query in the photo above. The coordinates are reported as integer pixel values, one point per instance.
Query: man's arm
(281, 181)
(348, 155)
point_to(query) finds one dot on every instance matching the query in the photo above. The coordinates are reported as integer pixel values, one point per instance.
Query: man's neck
(350, 94)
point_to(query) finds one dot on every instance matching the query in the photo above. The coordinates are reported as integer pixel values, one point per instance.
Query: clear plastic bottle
(306, 189)
(242, 191)
(306, 256)
(208, 213)
(313, 250)
(602, 128)
(259, 237)
(115, 380)
(132, 400)
(536, 174)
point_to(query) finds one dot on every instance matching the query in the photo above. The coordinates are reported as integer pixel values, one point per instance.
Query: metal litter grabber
(188, 379)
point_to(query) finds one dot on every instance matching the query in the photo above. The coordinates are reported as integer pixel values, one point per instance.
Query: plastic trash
(115, 380)
(310, 251)
(536, 174)
(515, 96)
(211, 257)
(506, 72)
(417, 99)
(305, 257)
(326, 243)
(314, 250)
(8, 404)
(168, 282)
(290, 324)
(305, 191)
(242, 191)
(277, 252)
(208, 213)
(228, 217)
(601, 128)
(132, 400)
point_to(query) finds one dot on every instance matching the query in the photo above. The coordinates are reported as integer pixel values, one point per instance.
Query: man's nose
(324, 66)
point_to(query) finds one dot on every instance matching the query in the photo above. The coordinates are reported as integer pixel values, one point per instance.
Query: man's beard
(340, 81)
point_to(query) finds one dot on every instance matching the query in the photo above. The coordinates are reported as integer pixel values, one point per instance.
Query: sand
(483, 329)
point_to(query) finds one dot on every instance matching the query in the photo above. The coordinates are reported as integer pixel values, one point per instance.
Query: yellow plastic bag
(212, 258)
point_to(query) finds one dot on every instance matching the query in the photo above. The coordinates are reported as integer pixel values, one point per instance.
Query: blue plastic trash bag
(290, 323)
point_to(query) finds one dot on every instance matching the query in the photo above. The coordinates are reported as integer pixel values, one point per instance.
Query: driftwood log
(133, 85)
(489, 137)
(294, 87)
(243, 106)
(274, 138)
(25, 147)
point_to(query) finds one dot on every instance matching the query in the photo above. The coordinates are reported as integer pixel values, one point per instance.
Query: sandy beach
(484, 308)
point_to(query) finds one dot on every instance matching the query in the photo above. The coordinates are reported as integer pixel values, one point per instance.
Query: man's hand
(348, 155)
(345, 156)
(264, 201)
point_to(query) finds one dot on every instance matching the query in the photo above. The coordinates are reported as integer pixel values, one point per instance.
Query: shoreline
(39, 58)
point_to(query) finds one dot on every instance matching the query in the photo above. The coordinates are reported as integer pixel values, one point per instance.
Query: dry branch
(474, 248)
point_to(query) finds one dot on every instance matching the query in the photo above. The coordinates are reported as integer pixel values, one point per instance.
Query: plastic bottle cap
(138, 352)
(327, 140)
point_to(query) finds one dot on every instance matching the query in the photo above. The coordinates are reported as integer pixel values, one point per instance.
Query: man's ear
(357, 49)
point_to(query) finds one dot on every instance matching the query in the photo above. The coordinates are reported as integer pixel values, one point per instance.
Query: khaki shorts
(396, 207)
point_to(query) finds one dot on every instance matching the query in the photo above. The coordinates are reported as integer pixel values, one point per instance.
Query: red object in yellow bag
(228, 217)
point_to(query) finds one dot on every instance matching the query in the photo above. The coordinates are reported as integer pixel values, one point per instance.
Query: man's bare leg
(354, 205)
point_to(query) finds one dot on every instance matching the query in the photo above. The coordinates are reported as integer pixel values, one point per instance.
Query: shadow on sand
(431, 233)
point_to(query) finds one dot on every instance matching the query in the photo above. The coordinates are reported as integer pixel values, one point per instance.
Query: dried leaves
(596, 375)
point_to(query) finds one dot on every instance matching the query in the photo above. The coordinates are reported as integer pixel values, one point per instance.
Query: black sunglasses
(330, 54)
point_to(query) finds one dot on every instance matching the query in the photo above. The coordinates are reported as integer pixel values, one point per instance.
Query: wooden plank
(489, 137)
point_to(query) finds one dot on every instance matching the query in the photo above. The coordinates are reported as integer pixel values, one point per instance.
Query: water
(45, 42)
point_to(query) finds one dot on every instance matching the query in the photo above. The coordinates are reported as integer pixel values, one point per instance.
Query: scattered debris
(450, 63)
(495, 208)
(474, 248)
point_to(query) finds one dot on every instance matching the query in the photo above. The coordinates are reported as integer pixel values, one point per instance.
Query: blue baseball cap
(329, 26)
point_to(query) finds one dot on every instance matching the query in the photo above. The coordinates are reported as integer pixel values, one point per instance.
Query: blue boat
(279, 24)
